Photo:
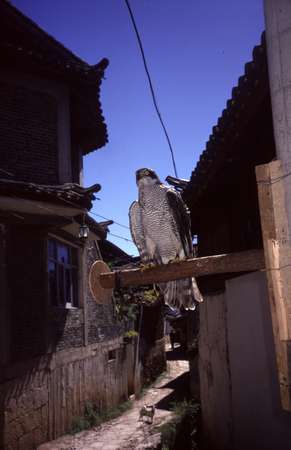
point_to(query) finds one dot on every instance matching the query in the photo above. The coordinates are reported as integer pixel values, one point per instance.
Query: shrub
(93, 417)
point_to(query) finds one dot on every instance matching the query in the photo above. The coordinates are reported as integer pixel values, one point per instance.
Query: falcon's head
(146, 177)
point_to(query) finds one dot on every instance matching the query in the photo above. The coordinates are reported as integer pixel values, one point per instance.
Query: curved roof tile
(228, 125)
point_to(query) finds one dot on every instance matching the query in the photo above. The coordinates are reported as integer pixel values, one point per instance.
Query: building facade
(239, 382)
(59, 349)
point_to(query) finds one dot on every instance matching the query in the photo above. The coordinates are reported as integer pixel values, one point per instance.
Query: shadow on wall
(152, 343)
(29, 338)
(59, 359)
(180, 392)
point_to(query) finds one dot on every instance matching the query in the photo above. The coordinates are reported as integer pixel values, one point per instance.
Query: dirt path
(126, 431)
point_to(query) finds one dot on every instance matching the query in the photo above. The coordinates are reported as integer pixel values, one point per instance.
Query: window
(111, 355)
(62, 274)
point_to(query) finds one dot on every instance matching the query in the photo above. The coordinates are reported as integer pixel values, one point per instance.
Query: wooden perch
(229, 263)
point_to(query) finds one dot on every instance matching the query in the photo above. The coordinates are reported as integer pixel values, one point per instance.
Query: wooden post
(278, 261)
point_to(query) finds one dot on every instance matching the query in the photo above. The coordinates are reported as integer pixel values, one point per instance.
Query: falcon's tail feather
(181, 293)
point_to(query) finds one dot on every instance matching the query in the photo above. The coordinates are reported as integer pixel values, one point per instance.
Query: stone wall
(41, 397)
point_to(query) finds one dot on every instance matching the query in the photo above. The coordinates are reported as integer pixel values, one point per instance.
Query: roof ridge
(37, 28)
(229, 112)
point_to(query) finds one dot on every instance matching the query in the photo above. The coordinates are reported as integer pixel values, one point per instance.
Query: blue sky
(196, 50)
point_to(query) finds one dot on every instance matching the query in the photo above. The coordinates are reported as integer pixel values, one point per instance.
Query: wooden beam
(278, 260)
(229, 263)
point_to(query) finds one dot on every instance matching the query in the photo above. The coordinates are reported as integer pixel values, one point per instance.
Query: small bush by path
(94, 418)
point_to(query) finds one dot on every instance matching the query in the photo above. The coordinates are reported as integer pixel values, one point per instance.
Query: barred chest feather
(160, 228)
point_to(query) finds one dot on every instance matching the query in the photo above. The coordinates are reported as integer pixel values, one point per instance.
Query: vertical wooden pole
(4, 303)
(278, 266)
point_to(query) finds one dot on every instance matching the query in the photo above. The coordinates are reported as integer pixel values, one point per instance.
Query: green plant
(126, 311)
(130, 334)
(79, 424)
(150, 295)
(92, 417)
(182, 411)
(185, 408)
(168, 431)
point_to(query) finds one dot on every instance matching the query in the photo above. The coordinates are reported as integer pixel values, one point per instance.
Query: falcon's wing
(137, 230)
(182, 218)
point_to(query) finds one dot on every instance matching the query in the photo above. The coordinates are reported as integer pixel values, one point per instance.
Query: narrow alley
(127, 431)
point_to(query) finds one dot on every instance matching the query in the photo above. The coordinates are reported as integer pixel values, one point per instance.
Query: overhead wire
(159, 117)
(6, 172)
(103, 217)
(70, 218)
(120, 237)
(151, 85)
(106, 218)
(38, 205)
(99, 215)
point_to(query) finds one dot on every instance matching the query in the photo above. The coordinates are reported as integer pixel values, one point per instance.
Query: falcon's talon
(175, 260)
(146, 266)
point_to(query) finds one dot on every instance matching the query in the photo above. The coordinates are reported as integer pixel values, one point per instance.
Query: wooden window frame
(71, 266)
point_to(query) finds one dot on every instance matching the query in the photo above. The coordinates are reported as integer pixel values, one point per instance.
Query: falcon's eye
(146, 173)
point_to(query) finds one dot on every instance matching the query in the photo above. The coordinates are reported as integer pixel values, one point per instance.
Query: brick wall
(37, 327)
(102, 323)
(26, 284)
(66, 328)
(28, 134)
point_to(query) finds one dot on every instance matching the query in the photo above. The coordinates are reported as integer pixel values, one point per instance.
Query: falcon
(161, 230)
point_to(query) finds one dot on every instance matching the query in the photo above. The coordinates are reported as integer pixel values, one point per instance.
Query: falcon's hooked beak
(146, 173)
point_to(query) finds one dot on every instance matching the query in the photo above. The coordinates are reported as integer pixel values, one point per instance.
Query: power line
(74, 205)
(103, 217)
(120, 237)
(6, 172)
(151, 85)
(106, 218)
(65, 217)
(72, 219)
(38, 205)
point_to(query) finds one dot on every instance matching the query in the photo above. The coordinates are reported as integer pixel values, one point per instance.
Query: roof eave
(251, 87)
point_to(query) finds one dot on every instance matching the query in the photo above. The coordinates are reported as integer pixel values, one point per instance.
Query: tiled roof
(71, 194)
(45, 46)
(111, 253)
(22, 41)
(252, 87)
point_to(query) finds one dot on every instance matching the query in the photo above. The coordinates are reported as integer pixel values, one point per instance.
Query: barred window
(62, 274)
